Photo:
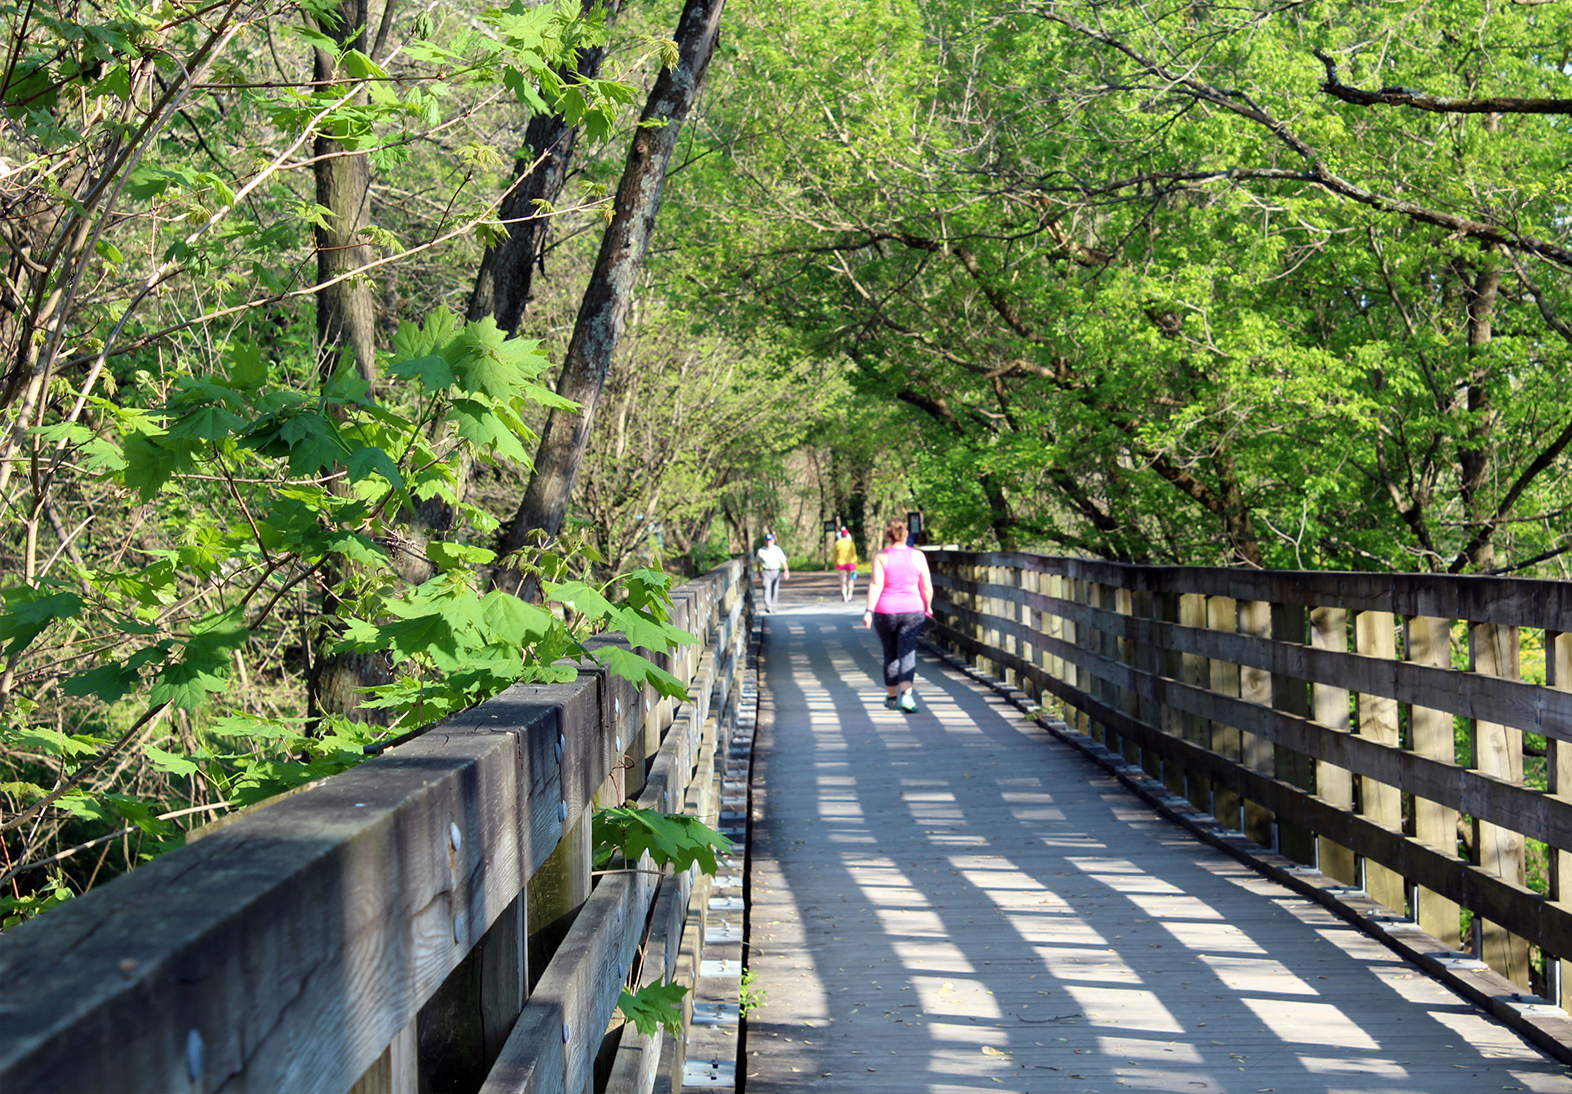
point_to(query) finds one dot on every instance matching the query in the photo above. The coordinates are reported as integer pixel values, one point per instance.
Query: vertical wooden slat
(1171, 666)
(1429, 642)
(1083, 641)
(1010, 609)
(1376, 636)
(994, 608)
(1031, 621)
(1292, 695)
(1255, 686)
(1334, 785)
(1147, 657)
(1055, 627)
(1558, 772)
(1107, 646)
(1197, 673)
(556, 893)
(1124, 604)
(1222, 614)
(1498, 751)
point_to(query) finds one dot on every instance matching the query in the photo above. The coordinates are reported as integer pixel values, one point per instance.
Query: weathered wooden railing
(426, 921)
(1315, 713)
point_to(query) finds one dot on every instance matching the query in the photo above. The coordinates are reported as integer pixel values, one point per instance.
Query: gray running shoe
(891, 703)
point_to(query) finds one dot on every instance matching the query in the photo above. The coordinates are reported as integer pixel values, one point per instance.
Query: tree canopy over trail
(1270, 285)
(292, 291)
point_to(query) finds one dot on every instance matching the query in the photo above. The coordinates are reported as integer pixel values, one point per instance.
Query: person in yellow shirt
(846, 563)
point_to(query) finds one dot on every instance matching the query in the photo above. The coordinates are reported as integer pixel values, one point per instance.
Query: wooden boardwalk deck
(954, 901)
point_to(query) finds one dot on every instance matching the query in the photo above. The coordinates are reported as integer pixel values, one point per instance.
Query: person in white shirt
(773, 569)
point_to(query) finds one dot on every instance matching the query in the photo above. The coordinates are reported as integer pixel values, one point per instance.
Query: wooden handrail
(1270, 697)
(383, 922)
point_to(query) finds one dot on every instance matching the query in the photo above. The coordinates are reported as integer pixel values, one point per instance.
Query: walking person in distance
(773, 569)
(846, 563)
(900, 601)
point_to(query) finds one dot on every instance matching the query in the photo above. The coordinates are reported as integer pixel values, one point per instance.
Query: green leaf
(640, 670)
(312, 36)
(433, 371)
(654, 1007)
(458, 556)
(187, 685)
(519, 622)
(169, 762)
(247, 370)
(149, 464)
(365, 462)
(674, 839)
(207, 423)
(28, 613)
(107, 683)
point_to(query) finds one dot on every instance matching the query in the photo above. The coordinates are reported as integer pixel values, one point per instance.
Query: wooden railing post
(1081, 594)
(1222, 614)
(1147, 657)
(1292, 696)
(1010, 609)
(556, 893)
(1429, 642)
(1255, 686)
(1125, 651)
(1171, 664)
(1197, 673)
(1330, 705)
(1100, 596)
(1031, 583)
(1375, 635)
(1558, 772)
(1057, 589)
(1498, 751)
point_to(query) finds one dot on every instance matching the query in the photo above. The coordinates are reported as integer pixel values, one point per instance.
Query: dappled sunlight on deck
(953, 901)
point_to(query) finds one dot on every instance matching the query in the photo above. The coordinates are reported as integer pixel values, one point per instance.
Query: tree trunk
(1474, 457)
(502, 287)
(345, 320)
(603, 312)
(345, 314)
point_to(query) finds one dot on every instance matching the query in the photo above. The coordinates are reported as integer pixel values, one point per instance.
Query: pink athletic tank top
(900, 592)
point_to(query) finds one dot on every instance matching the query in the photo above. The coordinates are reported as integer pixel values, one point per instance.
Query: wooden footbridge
(1154, 829)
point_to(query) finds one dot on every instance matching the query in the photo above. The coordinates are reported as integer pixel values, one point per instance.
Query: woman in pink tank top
(900, 602)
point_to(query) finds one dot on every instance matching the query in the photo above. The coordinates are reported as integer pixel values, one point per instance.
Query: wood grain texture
(1545, 923)
(291, 947)
(953, 901)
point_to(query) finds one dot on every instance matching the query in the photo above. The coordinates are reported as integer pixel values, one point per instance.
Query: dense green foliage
(1152, 283)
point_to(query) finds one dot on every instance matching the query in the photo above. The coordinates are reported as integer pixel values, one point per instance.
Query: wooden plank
(1507, 804)
(571, 1005)
(1169, 663)
(1498, 751)
(1255, 686)
(1543, 922)
(1290, 624)
(1197, 674)
(1558, 764)
(1222, 614)
(210, 946)
(993, 889)
(1428, 641)
(1382, 802)
(1510, 702)
(1507, 601)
